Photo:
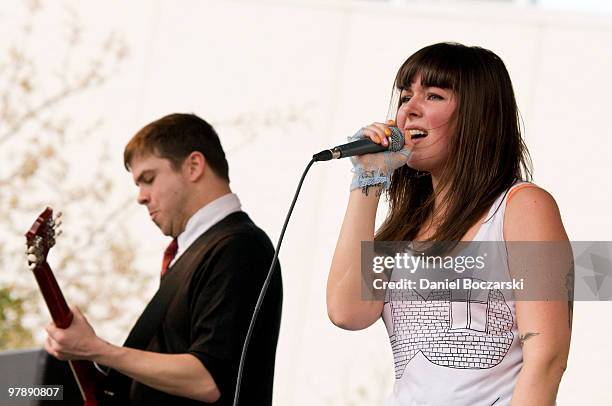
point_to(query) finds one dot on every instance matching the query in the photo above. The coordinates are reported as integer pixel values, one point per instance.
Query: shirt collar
(203, 219)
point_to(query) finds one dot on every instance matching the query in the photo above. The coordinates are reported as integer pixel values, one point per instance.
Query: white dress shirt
(204, 219)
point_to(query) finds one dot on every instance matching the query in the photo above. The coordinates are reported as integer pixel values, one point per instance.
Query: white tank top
(458, 353)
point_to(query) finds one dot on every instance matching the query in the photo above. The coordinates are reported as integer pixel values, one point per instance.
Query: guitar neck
(54, 298)
(84, 372)
(40, 238)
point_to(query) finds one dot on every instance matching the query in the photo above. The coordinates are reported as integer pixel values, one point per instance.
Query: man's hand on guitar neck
(178, 374)
(79, 341)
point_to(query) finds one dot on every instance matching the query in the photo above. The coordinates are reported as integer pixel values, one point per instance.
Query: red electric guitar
(40, 239)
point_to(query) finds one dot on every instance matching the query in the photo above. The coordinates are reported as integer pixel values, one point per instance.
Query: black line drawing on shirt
(462, 331)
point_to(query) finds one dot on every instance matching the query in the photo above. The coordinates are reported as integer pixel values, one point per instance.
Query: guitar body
(40, 239)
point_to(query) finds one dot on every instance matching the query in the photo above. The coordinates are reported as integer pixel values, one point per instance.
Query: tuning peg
(57, 223)
(30, 250)
(58, 233)
(32, 258)
(57, 215)
(32, 266)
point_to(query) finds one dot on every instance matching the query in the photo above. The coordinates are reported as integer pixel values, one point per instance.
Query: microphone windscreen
(396, 139)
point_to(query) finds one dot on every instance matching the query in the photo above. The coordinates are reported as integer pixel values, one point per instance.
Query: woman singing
(463, 175)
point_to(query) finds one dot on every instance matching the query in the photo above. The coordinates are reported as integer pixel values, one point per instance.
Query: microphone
(362, 147)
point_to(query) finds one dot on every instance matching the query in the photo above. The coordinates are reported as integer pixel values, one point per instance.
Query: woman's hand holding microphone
(376, 169)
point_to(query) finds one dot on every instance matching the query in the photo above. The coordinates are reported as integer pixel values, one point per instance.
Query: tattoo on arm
(527, 336)
(378, 188)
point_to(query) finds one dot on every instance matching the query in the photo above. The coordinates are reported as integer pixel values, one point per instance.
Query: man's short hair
(174, 137)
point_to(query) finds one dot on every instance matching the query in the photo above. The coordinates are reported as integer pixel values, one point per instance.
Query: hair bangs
(436, 67)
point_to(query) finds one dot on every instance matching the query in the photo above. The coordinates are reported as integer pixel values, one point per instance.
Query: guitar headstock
(41, 237)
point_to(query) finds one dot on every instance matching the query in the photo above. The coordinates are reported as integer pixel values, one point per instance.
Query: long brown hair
(486, 155)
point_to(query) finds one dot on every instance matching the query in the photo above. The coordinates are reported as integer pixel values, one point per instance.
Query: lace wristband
(364, 180)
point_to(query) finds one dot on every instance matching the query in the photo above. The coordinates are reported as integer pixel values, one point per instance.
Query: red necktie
(169, 255)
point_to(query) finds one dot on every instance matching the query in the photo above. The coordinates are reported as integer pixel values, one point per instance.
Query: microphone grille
(396, 139)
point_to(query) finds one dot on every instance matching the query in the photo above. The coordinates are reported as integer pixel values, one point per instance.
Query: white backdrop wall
(321, 70)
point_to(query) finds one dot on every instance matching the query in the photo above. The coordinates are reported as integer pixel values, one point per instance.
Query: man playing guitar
(185, 347)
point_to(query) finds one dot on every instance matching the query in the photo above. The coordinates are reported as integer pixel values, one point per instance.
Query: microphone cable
(264, 288)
